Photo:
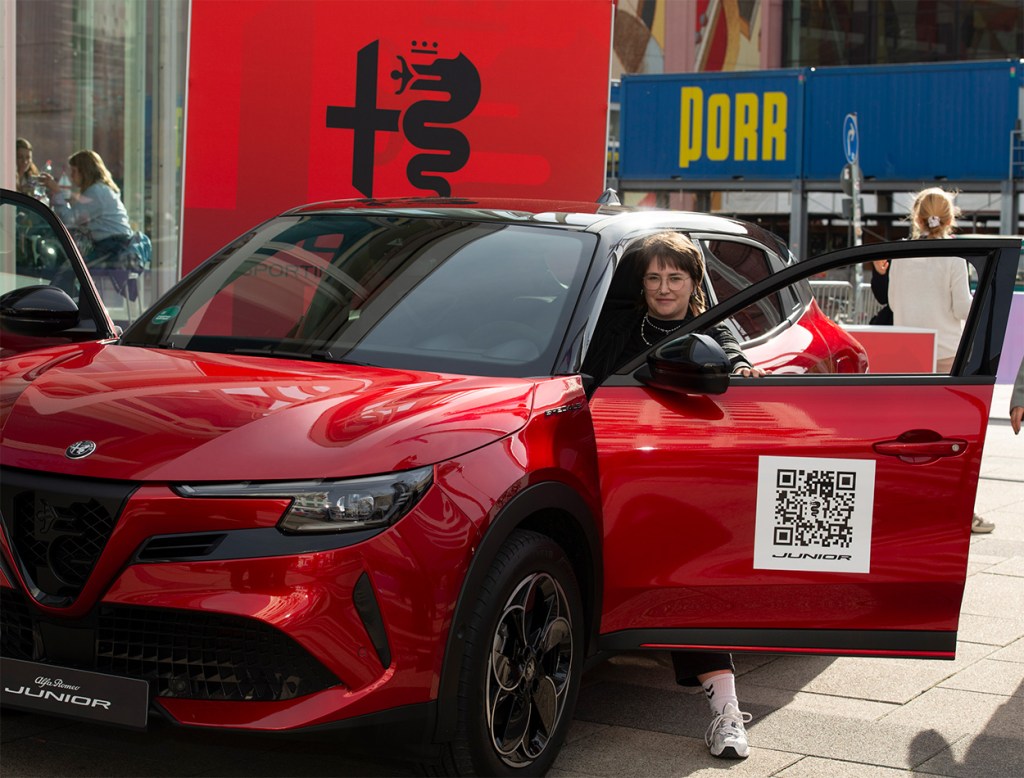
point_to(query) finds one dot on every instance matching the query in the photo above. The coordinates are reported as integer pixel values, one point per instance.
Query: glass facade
(885, 32)
(110, 75)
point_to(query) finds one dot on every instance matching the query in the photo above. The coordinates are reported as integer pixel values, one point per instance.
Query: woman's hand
(49, 182)
(750, 372)
(881, 266)
(1016, 416)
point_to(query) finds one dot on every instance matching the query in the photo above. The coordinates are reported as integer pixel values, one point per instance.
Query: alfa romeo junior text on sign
(63, 691)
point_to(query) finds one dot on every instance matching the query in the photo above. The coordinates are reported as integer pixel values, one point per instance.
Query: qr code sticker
(814, 508)
(814, 514)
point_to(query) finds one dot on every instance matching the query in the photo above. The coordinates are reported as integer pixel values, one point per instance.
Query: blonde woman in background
(95, 215)
(933, 292)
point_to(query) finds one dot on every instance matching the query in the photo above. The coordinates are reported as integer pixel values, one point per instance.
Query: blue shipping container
(916, 123)
(711, 125)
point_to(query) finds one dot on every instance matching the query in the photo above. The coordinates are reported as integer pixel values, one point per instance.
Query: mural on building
(728, 35)
(639, 45)
(703, 35)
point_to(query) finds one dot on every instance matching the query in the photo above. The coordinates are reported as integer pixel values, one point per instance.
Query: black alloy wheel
(522, 663)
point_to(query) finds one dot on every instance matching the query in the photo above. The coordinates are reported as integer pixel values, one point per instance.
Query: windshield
(444, 295)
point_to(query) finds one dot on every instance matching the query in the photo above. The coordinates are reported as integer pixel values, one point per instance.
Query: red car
(349, 472)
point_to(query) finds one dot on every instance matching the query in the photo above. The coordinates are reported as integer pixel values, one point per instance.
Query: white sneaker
(980, 525)
(726, 736)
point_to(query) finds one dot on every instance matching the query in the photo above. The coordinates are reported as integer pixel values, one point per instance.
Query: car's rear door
(815, 513)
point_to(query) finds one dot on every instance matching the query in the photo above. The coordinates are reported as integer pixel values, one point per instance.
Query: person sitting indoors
(95, 215)
(27, 170)
(670, 272)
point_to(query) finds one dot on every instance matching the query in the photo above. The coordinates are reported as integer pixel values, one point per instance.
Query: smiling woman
(671, 271)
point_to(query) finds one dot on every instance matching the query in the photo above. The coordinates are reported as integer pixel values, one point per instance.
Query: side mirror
(38, 310)
(692, 364)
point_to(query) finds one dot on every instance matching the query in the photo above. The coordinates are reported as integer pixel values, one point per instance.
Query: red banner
(296, 101)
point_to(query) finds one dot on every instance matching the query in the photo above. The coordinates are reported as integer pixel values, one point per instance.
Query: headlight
(332, 506)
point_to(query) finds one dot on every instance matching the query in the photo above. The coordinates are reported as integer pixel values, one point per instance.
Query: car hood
(184, 416)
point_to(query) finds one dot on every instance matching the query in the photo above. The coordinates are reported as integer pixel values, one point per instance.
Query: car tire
(522, 663)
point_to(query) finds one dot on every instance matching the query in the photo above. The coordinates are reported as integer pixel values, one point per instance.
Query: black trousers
(689, 664)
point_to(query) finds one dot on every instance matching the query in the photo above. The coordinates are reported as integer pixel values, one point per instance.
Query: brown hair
(22, 143)
(675, 250)
(90, 167)
(934, 205)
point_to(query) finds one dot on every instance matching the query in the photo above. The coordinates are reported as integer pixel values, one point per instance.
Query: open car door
(814, 513)
(47, 296)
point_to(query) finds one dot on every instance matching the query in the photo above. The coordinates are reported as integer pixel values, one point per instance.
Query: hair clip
(933, 221)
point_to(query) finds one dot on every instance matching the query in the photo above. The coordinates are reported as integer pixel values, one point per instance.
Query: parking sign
(851, 140)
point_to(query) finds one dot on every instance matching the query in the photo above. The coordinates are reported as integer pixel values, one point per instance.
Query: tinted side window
(733, 266)
(34, 253)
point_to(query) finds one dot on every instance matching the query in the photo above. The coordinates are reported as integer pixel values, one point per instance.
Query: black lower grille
(59, 527)
(188, 654)
(16, 635)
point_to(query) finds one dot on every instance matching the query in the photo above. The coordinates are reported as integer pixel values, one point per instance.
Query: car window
(932, 302)
(445, 295)
(734, 265)
(34, 251)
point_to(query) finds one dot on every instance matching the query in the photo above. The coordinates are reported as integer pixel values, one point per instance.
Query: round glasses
(674, 281)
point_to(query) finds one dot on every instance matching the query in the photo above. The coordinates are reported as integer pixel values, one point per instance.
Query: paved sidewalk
(813, 716)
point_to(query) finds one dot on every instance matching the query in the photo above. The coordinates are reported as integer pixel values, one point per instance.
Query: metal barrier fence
(866, 305)
(837, 300)
(834, 298)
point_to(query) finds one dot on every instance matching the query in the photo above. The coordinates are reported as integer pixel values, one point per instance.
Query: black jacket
(616, 329)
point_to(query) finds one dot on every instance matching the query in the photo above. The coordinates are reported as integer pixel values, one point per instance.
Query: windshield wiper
(321, 355)
(316, 356)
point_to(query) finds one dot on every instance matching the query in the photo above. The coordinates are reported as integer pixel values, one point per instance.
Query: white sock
(721, 691)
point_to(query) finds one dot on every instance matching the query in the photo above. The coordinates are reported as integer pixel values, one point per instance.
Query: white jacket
(931, 292)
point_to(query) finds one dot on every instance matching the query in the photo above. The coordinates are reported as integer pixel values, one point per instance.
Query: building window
(878, 32)
(109, 75)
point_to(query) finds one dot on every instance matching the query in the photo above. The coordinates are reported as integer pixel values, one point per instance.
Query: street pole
(851, 147)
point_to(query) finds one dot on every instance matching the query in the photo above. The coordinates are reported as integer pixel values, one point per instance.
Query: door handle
(919, 447)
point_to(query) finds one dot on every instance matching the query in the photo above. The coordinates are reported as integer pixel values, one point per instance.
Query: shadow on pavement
(986, 756)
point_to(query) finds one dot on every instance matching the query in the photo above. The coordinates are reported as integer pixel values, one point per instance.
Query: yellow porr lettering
(749, 125)
(691, 125)
(718, 127)
(773, 132)
(745, 145)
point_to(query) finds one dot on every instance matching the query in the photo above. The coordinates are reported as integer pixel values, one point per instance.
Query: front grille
(16, 634)
(69, 546)
(208, 656)
(188, 654)
(59, 527)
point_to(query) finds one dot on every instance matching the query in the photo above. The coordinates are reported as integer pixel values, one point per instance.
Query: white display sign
(814, 514)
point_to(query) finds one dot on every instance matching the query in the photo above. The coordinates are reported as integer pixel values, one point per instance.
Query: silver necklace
(646, 320)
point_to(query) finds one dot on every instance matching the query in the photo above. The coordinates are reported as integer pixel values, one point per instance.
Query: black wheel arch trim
(531, 501)
(820, 641)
